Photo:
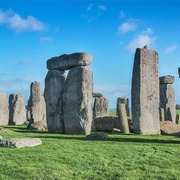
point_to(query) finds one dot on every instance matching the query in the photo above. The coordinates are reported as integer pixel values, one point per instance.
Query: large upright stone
(17, 109)
(77, 101)
(123, 101)
(54, 86)
(179, 72)
(36, 103)
(101, 107)
(4, 110)
(68, 61)
(145, 92)
(167, 98)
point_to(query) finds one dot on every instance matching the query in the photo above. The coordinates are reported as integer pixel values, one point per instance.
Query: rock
(166, 79)
(36, 103)
(77, 101)
(101, 107)
(4, 110)
(38, 125)
(106, 123)
(177, 119)
(97, 95)
(161, 114)
(145, 92)
(20, 142)
(97, 136)
(179, 72)
(68, 61)
(167, 101)
(54, 87)
(17, 109)
(116, 131)
(123, 101)
(169, 128)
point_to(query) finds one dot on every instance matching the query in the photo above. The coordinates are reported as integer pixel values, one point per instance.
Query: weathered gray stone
(179, 72)
(145, 92)
(123, 118)
(97, 95)
(20, 142)
(38, 125)
(167, 101)
(106, 123)
(101, 107)
(177, 119)
(77, 101)
(36, 103)
(4, 110)
(161, 114)
(54, 86)
(17, 109)
(68, 61)
(166, 80)
(123, 101)
(97, 136)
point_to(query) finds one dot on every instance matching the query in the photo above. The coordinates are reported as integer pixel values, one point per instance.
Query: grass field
(131, 157)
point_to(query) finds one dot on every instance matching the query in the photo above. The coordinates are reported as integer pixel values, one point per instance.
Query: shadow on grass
(118, 137)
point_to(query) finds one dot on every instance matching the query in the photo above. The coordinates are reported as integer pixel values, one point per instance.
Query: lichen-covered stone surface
(77, 101)
(166, 79)
(68, 61)
(145, 92)
(17, 109)
(54, 86)
(4, 110)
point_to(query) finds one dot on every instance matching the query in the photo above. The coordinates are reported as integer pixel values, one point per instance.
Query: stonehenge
(70, 108)
(145, 92)
(4, 110)
(17, 109)
(123, 101)
(36, 102)
(167, 98)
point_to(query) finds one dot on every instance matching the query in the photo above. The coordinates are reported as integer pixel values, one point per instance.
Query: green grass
(131, 157)
(178, 112)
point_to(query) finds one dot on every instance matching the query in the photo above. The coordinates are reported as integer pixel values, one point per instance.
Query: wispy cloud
(25, 61)
(46, 39)
(89, 7)
(130, 25)
(15, 22)
(102, 8)
(170, 49)
(122, 14)
(141, 40)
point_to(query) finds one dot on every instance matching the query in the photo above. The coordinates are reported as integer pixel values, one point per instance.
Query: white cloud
(46, 39)
(122, 14)
(89, 7)
(112, 92)
(102, 8)
(170, 49)
(130, 25)
(15, 22)
(140, 41)
(148, 31)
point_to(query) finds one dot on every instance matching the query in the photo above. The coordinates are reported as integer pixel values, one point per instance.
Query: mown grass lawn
(75, 157)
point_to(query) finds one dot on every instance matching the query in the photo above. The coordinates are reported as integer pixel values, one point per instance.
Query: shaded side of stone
(145, 92)
(54, 86)
(77, 101)
(166, 79)
(4, 110)
(17, 109)
(68, 61)
(123, 101)
(167, 102)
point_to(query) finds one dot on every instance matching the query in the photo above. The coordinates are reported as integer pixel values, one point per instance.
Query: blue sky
(32, 31)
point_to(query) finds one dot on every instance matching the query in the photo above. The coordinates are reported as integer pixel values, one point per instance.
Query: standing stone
(101, 107)
(123, 101)
(36, 103)
(145, 92)
(77, 101)
(161, 113)
(17, 109)
(167, 98)
(123, 118)
(177, 119)
(179, 72)
(54, 86)
(4, 110)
